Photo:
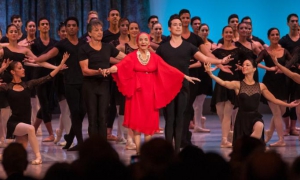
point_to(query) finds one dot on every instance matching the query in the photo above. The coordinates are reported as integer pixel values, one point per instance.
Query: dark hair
(113, 9)
(14, 17)
(12, 65)
(246, 18)
(43, 18)
(232, 16)
(290, 16)
(225, 28)
(195, 18)
(28, 22)
(61, 24)
(155, 24)
(182, 11)
(14, 158)
(271, 29)
(253, 62)
(172, 17)
(9, 27)
(241, 24)
(151, 17)
(95, 22)
(122, 20)
(72, 19)
(203, 24)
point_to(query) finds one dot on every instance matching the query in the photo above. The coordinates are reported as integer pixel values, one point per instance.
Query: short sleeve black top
(97, 59)
(109, 36)
(287, 43)
(39, 48)
(72, 75)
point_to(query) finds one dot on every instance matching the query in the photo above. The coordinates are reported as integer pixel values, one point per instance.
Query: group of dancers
(124, 73)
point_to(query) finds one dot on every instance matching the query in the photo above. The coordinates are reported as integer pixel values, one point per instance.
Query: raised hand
(28, 59)
(5, 63)
(226, 69)
(207, 67)
(226, 59)
(191, 79)
(65, 57)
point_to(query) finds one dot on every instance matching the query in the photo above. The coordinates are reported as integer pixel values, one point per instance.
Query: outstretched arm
(228, 84)
(286, 71)
(269, 96)
(205, 59)
(5, 64)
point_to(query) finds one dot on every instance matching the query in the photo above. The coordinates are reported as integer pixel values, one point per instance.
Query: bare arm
(44, 57)
(205, 59)
(269, 96)
(195, 65)
(228, 84)
(85, 69)
(286, 71)
(61, 65)
(120, 56)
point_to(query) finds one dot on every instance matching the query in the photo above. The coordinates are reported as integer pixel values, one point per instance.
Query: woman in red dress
(148, 83)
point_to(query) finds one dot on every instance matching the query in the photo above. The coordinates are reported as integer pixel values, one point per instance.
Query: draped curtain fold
(58, 10)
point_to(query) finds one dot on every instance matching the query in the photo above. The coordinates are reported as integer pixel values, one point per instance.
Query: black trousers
(43, 92)
(96, 96)
(174, 116)
(291, 112)
(75, 102)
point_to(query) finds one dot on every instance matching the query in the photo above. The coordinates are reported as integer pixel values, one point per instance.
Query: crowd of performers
(128, 75)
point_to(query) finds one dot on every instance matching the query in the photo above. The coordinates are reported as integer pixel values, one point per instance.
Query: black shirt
(254, 38)
(4, 39)
(97, 59)
(109, 36)
(287, 43)
(39, 48)
(73, 74)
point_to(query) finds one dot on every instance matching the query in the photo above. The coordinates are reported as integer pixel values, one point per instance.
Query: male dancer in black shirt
(16, 20)
(113, 32)
(289, 42)
(178, 53)
(73, 80)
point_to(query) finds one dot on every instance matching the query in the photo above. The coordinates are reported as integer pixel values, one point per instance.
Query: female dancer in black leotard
(18, 95)
(248, 121)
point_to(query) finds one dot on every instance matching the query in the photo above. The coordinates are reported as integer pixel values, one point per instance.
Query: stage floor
(209, 142)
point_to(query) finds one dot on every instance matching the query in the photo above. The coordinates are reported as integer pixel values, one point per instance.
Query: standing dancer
(178, 54)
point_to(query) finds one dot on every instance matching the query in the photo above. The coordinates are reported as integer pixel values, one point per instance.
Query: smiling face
(204, 31)
(243, 30)
(228, 34)
(133, 30)
(12, 33)
(143, 41)
(176, 27)
(274, 36)
(62, 33)
(31, 27)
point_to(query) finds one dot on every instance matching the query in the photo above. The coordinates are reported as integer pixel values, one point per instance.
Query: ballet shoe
(49, 139)
(111, 137)
(74, 148)
(58, 136)
(279, 143)
(230, 136)
(268, 136)
(198, 129)
(130, 146)
(226, 144)
(203, 119)
(36, 161)
(68, 140)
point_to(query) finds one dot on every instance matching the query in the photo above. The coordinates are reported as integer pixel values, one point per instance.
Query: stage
(52, 153)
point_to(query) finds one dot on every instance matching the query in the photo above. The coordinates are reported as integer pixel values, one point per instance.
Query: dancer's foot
(58, 136)
(286, 132)
(294, 132)
(49, 139)
(198, 129)
(279, 143)
(130, 146)
(63, 143)
(226, 144)
(268, 135)
(160, 131)
(37, 161)
(121, 140)
(68, 140)
(111, 137)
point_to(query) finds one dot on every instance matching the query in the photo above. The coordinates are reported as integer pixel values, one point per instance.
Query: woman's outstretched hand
(191, 79)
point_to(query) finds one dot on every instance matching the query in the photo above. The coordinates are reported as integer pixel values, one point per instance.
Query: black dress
(222, 94)
(6, 76)
(248, 115)
(19, 102)
(274, 82)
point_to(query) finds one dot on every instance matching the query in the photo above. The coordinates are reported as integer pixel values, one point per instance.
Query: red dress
(146, 88)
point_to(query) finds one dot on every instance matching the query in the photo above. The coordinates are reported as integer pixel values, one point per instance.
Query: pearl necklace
(140, 58)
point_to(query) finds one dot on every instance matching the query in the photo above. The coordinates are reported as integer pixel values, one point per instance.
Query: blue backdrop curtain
(58, 10)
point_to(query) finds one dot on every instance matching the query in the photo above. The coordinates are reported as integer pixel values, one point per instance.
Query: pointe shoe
(49, 139)
(268, 135)
(230, 136)
(36, 161)
(58, 136)
(130, 146)
(203, 119)
(201, 130)
(279, 143)
(226, 144)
